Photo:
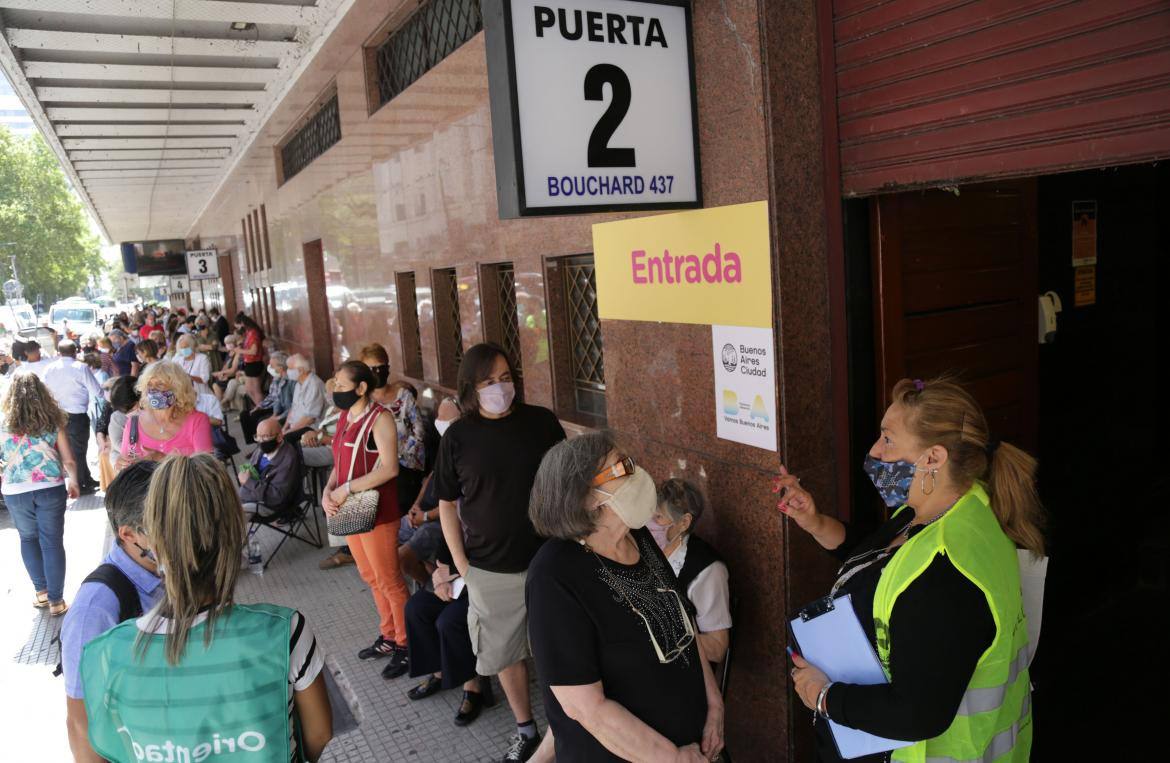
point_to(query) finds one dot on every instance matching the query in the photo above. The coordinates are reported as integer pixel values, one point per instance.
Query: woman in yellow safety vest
(936, 587)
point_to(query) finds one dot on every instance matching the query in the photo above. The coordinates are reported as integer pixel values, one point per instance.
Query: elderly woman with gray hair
(195, 363)
(610, 627)
(700, 570)
(276, 402)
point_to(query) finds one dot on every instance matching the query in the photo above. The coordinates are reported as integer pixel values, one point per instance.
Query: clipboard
(830, 636)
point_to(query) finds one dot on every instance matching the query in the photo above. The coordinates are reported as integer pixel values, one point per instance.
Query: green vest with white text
(994, 720)
(226, 702)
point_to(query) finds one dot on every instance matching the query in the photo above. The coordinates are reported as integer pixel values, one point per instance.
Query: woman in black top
(611, 631)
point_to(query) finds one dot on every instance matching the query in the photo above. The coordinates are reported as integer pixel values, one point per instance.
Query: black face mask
(382, 374)
(269, 446)
(345, 400)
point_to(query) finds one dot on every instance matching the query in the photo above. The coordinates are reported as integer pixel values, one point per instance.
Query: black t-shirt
(491, 464)
(583, 630)
(940, 627)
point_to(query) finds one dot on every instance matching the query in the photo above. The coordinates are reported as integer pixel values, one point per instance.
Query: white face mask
(497, 398)
(294, 374)
(442, 426)
(635, 500)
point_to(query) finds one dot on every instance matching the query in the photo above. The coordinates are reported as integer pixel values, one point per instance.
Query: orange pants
(376, 555)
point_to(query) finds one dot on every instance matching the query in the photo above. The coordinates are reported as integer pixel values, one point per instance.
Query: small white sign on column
(745, 385)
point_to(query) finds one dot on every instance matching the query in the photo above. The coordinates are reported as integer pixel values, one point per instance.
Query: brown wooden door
(319, 308)
(955, 289)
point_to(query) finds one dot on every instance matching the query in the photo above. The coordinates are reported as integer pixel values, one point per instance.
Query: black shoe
(399, 663)
(426, 688)
(380, 648)
(89, 489)
(520, 748)
(474, 702)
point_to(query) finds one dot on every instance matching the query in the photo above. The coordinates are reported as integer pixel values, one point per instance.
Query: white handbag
(360, 510)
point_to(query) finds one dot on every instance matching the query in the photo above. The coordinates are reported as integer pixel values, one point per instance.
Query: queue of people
(521, 545)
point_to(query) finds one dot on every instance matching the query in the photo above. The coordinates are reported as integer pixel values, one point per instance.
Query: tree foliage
(42, 223)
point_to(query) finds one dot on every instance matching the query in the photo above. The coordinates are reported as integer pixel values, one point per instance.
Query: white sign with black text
(179, 284)
(745, 385)
(599, 112)
(203, 264)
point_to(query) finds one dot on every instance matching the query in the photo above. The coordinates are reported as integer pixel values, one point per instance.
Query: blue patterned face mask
(891, 478)
(160, 399)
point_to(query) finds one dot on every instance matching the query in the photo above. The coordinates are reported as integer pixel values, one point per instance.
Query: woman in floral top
(39, 474)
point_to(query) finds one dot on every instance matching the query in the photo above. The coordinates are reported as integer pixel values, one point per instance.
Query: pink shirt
(193, 437)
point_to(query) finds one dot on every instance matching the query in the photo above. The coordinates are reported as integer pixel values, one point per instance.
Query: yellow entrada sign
(708, 266)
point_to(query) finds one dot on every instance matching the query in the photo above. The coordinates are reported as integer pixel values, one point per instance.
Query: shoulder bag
(360, 510)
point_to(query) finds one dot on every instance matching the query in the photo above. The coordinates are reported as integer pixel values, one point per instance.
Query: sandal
(42, 600)
(58, 609)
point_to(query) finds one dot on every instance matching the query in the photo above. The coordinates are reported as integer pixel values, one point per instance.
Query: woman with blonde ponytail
(937, 587)
(201, 675)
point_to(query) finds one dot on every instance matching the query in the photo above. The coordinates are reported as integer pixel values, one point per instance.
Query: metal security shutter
(935, 92)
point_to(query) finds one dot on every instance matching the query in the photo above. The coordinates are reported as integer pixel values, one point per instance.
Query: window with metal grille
(408, 324)
(314, 137)
(448, 325)
(435, 31)
(586, 357)
(497, 288)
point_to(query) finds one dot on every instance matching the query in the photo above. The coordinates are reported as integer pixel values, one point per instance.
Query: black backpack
(129, 605)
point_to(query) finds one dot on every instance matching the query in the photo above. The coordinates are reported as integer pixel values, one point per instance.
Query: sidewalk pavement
(336, 604)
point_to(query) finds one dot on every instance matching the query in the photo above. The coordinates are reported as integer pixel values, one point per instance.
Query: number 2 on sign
(661, 183)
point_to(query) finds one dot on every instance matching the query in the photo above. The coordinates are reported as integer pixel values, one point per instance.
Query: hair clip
(919, 385)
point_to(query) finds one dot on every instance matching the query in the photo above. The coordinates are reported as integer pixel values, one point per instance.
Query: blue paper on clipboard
(830, 637)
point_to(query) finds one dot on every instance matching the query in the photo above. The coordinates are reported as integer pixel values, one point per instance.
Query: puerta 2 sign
(593, 105)
(707, 266)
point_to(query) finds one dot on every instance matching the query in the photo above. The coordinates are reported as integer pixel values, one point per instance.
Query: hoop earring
(933, 482)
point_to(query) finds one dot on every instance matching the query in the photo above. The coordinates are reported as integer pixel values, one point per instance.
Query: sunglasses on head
(623, 467)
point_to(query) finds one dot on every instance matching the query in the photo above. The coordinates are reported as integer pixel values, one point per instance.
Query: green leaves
(42, 223)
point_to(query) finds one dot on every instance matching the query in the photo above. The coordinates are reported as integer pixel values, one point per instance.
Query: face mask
(269, 446)
(497, 398)
(272, 372)
(160, 399)
(294, 374)
(660, 533)
(442, 426)
(635, 499)
(891, 478)
(185, 352)
(146, 553)
(345, 400)
(382, 374)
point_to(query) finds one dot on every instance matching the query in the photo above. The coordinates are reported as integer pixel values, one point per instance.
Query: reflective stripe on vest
(994, 710)
(1002, 743)
(988, 699)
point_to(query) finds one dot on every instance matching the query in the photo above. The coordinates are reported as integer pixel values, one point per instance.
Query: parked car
(18, 320)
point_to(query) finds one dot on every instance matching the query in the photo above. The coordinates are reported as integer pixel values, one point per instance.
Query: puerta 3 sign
(593, 105)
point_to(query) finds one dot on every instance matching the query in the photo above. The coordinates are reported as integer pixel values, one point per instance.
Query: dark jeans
(39, 516)
(249, 420)
(436, 631)
(77, 429)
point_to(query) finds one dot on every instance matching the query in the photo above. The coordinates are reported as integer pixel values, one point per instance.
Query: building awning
(149, 103)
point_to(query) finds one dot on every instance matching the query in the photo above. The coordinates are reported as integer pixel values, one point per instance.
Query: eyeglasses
(683, 642)
(623, 467)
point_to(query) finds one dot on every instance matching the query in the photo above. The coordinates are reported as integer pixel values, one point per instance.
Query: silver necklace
(932, 520)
